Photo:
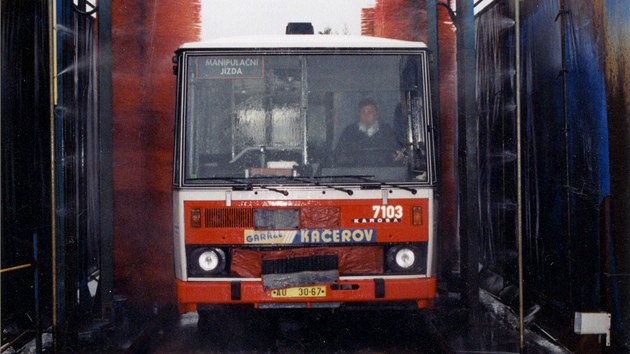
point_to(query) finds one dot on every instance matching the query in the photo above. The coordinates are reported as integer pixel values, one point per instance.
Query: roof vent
(300, 28)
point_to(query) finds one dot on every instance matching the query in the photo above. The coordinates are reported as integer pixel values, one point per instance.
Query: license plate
(301, 291)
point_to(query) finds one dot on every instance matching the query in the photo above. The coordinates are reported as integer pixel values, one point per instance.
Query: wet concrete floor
(312, 331)
(445, 329)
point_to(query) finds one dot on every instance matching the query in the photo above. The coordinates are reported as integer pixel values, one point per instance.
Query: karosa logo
(310, 236)
(374, 220)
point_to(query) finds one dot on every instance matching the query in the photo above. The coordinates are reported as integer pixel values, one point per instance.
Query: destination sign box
(230, 67)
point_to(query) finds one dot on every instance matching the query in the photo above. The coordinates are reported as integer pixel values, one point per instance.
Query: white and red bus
(283, 196)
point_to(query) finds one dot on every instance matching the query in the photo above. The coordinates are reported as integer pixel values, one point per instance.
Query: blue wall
(565, 147)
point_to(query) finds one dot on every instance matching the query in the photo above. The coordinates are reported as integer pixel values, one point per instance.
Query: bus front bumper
(420, 290)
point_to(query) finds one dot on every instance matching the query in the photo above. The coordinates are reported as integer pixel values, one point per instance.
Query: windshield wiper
(248, 185)
(311, 180)
(283, 192)
(370, 183)
(388, 184)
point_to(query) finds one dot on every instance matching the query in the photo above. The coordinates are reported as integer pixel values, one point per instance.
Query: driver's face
(368, 115)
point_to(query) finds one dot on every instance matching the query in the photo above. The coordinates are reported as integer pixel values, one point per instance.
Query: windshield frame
(179, 179)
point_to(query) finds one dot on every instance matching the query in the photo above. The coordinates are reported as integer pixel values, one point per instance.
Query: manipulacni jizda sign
(230, 67)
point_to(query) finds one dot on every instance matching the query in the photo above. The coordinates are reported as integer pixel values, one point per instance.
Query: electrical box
(593, 323)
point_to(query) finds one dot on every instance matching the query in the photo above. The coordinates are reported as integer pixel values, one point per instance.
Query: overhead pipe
(10, 269)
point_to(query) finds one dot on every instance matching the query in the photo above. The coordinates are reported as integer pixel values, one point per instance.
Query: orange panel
(355, 214)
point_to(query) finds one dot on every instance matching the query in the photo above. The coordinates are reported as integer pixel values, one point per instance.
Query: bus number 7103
(387, 211)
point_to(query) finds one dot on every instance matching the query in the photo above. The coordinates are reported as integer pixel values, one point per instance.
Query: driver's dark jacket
(356, 148)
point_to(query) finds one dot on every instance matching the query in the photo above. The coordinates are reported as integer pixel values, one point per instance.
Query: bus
(304, 173)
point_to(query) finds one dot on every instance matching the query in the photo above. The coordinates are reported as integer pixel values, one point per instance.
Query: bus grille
(261, 219)
(299, 264)
(348, 260)
(232, 217)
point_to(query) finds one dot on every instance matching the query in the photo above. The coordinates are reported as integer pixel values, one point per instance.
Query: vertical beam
(519, 173)
(467, 154)
(82, 122)
(434, 71)
(38, 317)
(52, 58)
(106, 283)
(567, 150)
(65, 163)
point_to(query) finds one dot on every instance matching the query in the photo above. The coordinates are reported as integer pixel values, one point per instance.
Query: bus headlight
(405, 258)
(209, 260)
(206, 261)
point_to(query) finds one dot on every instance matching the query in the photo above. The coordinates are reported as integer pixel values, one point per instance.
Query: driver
(368, 142)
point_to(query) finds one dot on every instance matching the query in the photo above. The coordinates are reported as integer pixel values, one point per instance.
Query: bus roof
(303, 41)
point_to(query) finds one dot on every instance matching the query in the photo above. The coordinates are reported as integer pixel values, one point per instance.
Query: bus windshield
(295, 118)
